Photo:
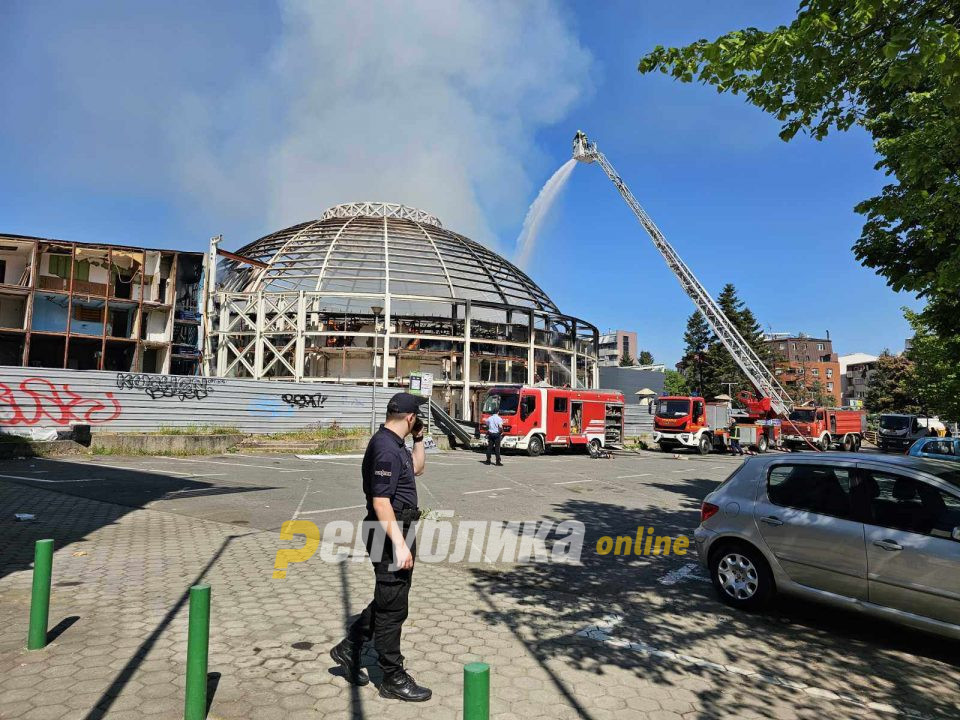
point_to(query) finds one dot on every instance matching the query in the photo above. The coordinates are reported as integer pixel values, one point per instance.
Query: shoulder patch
(384, 468)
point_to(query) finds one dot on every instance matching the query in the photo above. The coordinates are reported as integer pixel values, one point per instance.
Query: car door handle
(888, 545)
(770, 520)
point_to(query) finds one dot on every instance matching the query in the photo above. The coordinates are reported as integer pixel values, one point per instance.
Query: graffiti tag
(184, 387)
(301, 401)
(41, 399)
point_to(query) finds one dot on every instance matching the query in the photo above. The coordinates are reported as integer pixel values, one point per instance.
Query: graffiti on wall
(39, 399)
(184, 387)
(301, 401)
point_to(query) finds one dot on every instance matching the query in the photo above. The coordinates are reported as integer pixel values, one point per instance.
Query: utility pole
(376, 309)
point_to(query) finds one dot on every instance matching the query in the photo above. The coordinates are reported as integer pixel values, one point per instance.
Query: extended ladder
(757, 373)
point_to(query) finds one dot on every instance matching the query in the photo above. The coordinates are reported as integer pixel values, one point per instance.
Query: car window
(820, 489)
(937, 447)
(902, 503)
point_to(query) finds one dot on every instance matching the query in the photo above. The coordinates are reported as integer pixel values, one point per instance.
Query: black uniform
(387, 472)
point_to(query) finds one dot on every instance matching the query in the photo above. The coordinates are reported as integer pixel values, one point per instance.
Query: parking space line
(572, 482)
(474, 492)
(245, 465)
(690, 571)
(684, 470)
(624, 477)
(46, 480)
(326, 510)
(306, 491)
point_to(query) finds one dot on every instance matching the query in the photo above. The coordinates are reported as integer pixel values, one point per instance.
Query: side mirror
(956, 534)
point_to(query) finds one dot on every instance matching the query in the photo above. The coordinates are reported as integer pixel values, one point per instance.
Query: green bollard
(198, 643)
(476, 691)
(40, 597)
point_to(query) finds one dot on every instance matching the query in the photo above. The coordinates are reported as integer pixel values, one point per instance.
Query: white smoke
(538, 212)
(433, 104)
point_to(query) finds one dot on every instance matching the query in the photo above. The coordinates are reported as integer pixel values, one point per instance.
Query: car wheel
(762, 444)
(703, 447)
(535, 446)
(741, 576)
(593, 447)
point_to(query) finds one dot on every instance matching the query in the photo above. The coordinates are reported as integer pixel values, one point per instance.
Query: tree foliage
(936, 369)
(645, 357)
(892, 386)
(674, 383)
(626, 360)
(891, 67)
(705, 355)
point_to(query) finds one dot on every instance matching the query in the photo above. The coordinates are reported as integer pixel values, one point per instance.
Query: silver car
(865, 532)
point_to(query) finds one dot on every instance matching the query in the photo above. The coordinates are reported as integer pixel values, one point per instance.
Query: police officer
(389, 484)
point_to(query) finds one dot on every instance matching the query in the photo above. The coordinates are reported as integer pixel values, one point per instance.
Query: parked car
(938, 448)
(870, 533)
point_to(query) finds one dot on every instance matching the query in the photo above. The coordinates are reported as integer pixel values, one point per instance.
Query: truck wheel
(704, 446)
(824, 443)
(535, 446)
(594, 447)
(663, 447)
(762, 444)
(856, 443)
(849, 445)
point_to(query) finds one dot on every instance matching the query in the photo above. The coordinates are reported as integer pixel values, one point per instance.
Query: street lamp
(376, 309)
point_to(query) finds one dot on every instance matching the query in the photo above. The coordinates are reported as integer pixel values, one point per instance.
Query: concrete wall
(628, 381)
(117, 402)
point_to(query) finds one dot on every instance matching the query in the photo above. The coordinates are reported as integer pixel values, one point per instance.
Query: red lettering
(60, 405)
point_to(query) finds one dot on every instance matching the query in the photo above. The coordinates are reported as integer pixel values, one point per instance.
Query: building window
(816, 372)
(783, 346)
(87, 314)
(626, 346)
(829, 372)
(819, 346)
(829, 387)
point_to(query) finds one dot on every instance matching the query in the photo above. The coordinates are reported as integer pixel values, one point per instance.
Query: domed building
(371, 292)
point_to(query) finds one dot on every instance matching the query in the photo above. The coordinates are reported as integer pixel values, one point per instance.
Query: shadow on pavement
(120, 491)
(545, 604)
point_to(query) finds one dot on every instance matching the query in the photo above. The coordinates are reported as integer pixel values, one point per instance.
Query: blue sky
(162, 124)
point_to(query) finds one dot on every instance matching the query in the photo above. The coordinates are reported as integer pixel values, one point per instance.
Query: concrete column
(530, 351)
(298, 359)
(465, 401)
(225, 307)
(258, 339)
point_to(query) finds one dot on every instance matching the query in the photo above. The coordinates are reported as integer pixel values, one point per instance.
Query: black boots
(347, 656)
(400, 686)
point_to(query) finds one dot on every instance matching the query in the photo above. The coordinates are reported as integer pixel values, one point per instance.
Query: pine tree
(645, 357)
(746, 323)
(697, 341)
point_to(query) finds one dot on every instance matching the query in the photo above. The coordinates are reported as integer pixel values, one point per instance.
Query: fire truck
(770, 407)
(535, 418)
(692, 422)
(825, 428)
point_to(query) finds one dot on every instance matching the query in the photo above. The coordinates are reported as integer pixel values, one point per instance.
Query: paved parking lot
(614, 636)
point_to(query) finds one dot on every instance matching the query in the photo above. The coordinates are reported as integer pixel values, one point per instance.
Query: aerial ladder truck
(691, 421)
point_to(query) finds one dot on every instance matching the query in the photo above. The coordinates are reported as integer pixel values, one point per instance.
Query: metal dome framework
(370, 275)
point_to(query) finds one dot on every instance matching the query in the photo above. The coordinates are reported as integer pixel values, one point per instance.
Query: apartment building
(803, 362)
(856, 372)
(614, 344)
(98, 307)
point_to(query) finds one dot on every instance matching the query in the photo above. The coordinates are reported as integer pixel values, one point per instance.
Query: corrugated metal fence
(637, 421)
(117, 401)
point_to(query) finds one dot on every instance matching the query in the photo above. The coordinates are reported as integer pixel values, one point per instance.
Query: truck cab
(681, 421)
(824, 428)
(898, 432)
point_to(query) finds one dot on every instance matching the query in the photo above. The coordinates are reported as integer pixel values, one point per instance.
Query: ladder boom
(757, 373)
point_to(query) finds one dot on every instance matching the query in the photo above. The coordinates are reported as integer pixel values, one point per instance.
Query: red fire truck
(825, 428)
(694, 423)
(535, 418)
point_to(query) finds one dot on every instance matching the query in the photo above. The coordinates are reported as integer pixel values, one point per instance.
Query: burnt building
(91, 306)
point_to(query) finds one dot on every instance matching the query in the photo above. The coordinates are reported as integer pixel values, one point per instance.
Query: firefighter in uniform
(390, 487)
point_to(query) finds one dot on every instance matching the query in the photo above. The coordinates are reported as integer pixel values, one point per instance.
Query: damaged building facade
(98, 307)
(372, 292)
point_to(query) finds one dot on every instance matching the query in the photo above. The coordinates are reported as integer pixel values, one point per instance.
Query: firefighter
(389, 484)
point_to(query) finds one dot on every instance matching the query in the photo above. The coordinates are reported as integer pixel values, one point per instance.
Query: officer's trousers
(382, 620)
(493, 445)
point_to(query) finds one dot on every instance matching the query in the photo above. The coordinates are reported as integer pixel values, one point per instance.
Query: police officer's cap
(405, 403)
